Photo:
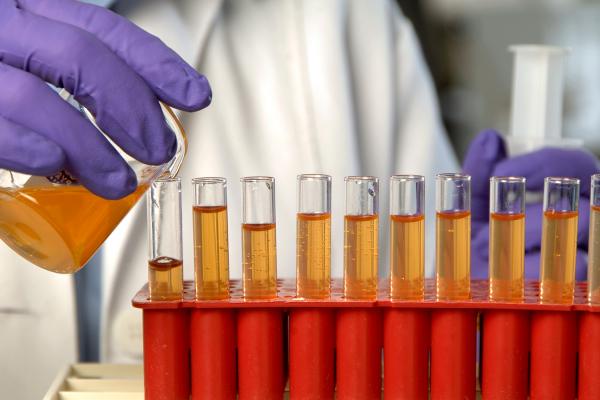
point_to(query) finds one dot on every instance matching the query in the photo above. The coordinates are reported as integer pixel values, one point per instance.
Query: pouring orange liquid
(59, 228)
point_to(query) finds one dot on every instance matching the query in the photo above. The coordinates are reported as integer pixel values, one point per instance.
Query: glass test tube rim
(440, 181)
(257, 178)
(505, 179)
(361, 178)
(508, 179)
(317, 177)
(208, 179)
(167, 179)
(407, 178)
(321, 179)
(562, 180)
(451, 176)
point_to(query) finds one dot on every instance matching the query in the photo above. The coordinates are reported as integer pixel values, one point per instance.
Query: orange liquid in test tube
(211, 252)
(360, 256)
(453, 255)
(407, 256)
(313, 255)
(559, 250)
(507, 235)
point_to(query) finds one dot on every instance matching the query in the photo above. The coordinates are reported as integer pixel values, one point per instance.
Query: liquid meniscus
(165, 279)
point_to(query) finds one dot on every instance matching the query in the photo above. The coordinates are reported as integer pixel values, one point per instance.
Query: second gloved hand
(112, 67)
(487, 157)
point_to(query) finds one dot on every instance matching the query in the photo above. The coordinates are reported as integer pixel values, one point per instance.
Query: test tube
(507, 238)
(211, 247)
(594, 243)
(453, 237)
(259, 256)
(559, 240)
(407, 237)
(165, 267)
(361, 230)
(313, 237)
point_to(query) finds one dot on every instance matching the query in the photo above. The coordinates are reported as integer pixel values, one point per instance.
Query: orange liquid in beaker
(59, 228)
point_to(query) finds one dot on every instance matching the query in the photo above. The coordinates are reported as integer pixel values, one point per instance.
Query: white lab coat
(337, 87)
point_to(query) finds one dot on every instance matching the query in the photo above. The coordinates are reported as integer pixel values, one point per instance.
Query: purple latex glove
(487, 157)
(112, 67)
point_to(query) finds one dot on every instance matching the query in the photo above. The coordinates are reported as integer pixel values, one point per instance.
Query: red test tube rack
(222, 348)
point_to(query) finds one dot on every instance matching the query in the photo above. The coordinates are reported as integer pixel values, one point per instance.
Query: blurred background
(466, 41)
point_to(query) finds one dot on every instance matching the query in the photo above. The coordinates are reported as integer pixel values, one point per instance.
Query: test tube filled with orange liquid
(211, 247)
(313, 237)
(165, 267)
(507, 238)
(259, 256)
(361, 231)
(559, 240)
(594, 243)
(453, 237)
(407, 237)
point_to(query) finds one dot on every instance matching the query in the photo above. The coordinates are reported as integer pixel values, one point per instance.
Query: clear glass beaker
(56, 223)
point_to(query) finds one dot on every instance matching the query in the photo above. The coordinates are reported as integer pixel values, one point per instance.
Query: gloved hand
(112, 67)
(487, 157)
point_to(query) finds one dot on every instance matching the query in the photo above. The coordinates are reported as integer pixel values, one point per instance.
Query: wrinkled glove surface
(115, 69)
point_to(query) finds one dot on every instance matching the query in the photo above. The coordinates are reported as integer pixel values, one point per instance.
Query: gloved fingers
(25, 151)
(28, 101)
(171, 78)
(484, 152)
(66, 56)
(537, 165)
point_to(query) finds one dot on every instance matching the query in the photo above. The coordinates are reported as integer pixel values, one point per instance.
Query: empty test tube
(594, 243)
(211, 247)
(259, 258)
(407, 237)
(313, 237)
(507, 238)
(165, 268)
(361, 226)
(453, 237)
(559, 240)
